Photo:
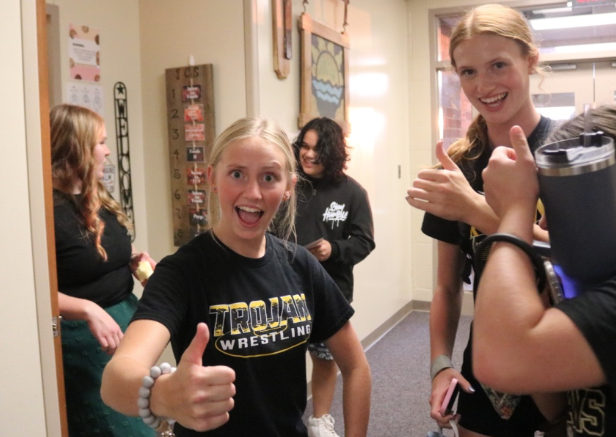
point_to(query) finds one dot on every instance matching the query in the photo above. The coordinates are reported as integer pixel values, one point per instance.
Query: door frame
(36, 91)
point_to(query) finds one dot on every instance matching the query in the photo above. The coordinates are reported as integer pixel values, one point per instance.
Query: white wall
(212, 32)
(22, 410)
(380, 138)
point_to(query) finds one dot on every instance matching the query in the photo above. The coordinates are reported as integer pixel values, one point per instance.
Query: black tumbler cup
(577, 179)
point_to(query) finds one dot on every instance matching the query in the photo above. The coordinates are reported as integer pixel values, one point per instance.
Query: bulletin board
(190, 120)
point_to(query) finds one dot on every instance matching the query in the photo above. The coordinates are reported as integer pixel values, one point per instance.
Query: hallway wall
(378, 95)
(22, 409)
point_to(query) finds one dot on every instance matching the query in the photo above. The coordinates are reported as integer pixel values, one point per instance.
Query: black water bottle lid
(591, 139)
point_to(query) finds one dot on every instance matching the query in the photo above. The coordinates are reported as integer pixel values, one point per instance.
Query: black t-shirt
(82, 272)
(260, 312)
(592, 411)
(460, 233)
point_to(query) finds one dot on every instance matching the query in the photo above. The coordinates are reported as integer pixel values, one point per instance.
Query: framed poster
(190, 120)
(324, 73)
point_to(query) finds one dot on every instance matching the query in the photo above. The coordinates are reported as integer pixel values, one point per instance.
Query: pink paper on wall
(84, 53)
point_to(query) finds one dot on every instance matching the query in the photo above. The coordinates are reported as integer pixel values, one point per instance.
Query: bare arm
(102, 326)
(447, 300)
(198, 397)
(519, 346)
(447, 194)
(357, 381)
(143, 344)
(444, 318)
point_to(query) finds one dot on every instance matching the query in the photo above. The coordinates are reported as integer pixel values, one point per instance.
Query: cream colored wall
(380, 155)
(22, 409)
(422, 124)
(212, 32)
(118, 24)
(379, 118)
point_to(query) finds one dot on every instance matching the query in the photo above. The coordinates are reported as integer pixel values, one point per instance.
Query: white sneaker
(321, 427)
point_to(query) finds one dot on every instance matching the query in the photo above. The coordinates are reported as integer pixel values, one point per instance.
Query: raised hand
(444, 158)
(445, 192)
(139, 268)
(510, 179)
(200, 397)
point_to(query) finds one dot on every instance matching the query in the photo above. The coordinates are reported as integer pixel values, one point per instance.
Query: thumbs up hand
(444, 158)
(198, 397)
(510, 179)
(445, 192)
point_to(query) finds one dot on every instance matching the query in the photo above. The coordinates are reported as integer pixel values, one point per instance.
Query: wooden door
(41, 18)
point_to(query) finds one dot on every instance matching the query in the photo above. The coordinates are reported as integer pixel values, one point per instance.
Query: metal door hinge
(54, 326)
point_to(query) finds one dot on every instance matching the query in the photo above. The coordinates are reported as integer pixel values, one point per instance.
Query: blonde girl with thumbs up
(493, 53)
(239, 307)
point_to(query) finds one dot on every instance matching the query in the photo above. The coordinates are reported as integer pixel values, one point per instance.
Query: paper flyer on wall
(84, 53)
(87, 95)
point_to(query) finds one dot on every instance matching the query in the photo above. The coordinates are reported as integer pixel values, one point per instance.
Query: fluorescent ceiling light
(580, 48)
(574, 21)
(551, 11)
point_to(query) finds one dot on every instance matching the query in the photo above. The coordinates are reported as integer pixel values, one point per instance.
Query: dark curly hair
(331, 147)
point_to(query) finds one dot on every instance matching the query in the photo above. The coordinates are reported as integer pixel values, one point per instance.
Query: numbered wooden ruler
(190, 120)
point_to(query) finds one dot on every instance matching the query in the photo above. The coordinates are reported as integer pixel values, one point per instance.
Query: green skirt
(84, 362)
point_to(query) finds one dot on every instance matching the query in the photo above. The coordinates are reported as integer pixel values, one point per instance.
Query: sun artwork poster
(324, 73)
(327, 78)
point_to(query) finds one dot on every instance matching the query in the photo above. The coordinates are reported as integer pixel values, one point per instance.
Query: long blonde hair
(75, 132)
(497, 20)
(283, 223)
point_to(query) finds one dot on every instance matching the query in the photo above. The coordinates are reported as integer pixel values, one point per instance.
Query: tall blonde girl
(493, 53)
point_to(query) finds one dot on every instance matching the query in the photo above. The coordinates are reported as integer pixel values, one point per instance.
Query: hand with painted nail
(440, 385)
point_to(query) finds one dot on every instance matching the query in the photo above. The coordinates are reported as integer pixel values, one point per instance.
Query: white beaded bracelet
(163, 426)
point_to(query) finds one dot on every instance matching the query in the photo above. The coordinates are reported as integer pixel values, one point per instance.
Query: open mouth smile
(248, 215)
(494, 101)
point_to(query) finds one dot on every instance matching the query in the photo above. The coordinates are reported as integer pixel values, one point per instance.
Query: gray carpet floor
(401, 386)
